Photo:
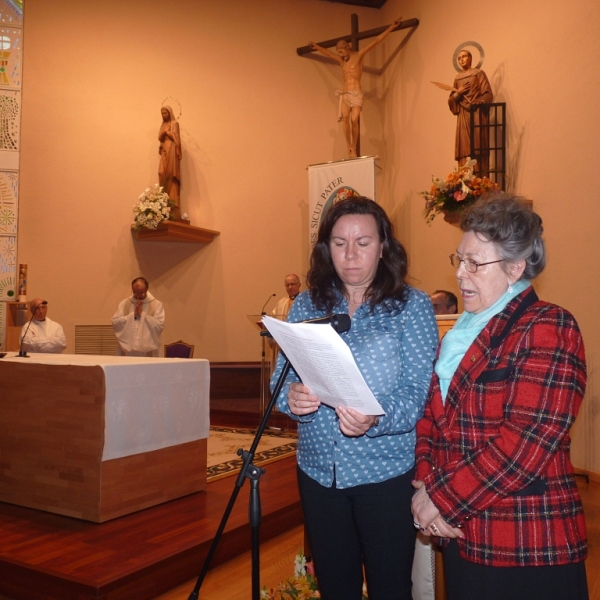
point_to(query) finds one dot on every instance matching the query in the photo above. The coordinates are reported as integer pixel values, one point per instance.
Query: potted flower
(302, 585)
(152, 209)
(460, 189)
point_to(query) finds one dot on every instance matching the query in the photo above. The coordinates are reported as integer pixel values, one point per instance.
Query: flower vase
(452, 216)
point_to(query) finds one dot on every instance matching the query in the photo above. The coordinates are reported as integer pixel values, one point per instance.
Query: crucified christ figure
(351, 97)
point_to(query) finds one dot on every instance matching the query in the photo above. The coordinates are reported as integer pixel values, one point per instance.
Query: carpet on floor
(224, 442)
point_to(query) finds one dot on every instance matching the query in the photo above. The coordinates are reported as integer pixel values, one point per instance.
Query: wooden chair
(179, 349)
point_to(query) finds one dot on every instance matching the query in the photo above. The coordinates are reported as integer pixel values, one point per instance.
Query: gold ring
(434, 528)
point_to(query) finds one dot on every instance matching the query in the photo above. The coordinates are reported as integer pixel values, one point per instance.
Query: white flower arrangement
(152, 209)
(302, 585)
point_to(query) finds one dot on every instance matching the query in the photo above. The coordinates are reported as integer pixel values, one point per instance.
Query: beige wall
(254, 116)
(542, 62)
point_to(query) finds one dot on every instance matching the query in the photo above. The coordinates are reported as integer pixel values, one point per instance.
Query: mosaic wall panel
(10, 120)
(8, 267)
(11, 70)
(11, 56)
(11, 12)
(9, 188)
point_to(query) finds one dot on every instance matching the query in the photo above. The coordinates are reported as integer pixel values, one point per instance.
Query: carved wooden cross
(353, 39)
(356, 35)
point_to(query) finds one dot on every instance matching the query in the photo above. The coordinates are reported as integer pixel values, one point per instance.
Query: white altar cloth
(150, 403)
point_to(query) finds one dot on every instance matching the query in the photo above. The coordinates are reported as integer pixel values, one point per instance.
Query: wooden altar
(83, 436)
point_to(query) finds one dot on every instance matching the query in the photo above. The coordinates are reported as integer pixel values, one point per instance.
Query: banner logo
(322, 207)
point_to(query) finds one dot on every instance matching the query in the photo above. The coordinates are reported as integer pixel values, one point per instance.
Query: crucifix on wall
(350, 58)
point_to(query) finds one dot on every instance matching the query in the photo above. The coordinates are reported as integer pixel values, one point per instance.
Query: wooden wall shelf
(173, 231)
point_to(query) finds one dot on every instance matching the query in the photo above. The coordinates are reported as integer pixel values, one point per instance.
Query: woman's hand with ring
(425, 512)
(301, 401)
(440, 528)
(423, 509)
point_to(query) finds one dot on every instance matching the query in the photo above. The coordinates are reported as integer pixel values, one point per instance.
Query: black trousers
(368, 525)
(467, 580)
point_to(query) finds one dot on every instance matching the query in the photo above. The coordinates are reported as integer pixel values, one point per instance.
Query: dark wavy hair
(388, 285)
(510, 223)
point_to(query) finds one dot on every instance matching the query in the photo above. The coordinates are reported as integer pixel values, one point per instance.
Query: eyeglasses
(292, 284)
(470, 265)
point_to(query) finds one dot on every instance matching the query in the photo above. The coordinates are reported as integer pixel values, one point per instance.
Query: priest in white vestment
(292, 288)
(42, 334)
(139, 321)
(281, 310)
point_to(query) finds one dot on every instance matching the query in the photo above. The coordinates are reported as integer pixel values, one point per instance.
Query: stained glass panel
(11, 12)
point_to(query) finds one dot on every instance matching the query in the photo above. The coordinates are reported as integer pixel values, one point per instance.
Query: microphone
(262, 312)
(22, 353)
(340, 322)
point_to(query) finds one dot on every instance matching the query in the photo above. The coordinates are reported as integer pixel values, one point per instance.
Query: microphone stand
(341, 324)
(253, 473)
(262, 312)
(264, 372)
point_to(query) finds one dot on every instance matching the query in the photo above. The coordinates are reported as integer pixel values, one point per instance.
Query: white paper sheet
(325, 364)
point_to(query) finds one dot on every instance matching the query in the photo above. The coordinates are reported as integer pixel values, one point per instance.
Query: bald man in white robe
(138, 322)
(42, 334)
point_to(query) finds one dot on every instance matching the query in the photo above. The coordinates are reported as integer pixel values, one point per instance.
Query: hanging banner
(331, 182)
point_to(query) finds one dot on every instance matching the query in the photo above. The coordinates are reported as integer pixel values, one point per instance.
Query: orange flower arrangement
(302, 585)
(459, 190)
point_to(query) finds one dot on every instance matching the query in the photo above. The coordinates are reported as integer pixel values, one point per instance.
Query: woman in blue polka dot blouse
(355, 470)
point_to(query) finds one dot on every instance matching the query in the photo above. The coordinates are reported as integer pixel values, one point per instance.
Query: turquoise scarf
(468, 326)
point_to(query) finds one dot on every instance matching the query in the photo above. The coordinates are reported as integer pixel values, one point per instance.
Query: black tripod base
(252, 473)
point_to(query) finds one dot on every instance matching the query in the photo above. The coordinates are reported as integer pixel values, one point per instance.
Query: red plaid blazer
(495, 458)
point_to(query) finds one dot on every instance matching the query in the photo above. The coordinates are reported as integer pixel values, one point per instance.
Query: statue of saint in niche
(169, 172)
(471, 87)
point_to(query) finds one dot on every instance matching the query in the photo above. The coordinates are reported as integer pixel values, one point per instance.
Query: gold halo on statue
(464, 45)
(179, 103)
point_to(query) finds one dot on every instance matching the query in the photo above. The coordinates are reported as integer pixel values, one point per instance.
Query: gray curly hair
(510, 223)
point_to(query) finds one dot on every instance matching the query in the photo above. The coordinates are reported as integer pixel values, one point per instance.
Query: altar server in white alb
(42, 334)
(139, 321)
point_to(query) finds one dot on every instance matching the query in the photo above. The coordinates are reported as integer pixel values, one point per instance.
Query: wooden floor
(157, 553)
(44, 556)
(232, 580)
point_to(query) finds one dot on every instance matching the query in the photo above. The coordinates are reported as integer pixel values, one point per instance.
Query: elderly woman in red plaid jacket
(494, 480)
